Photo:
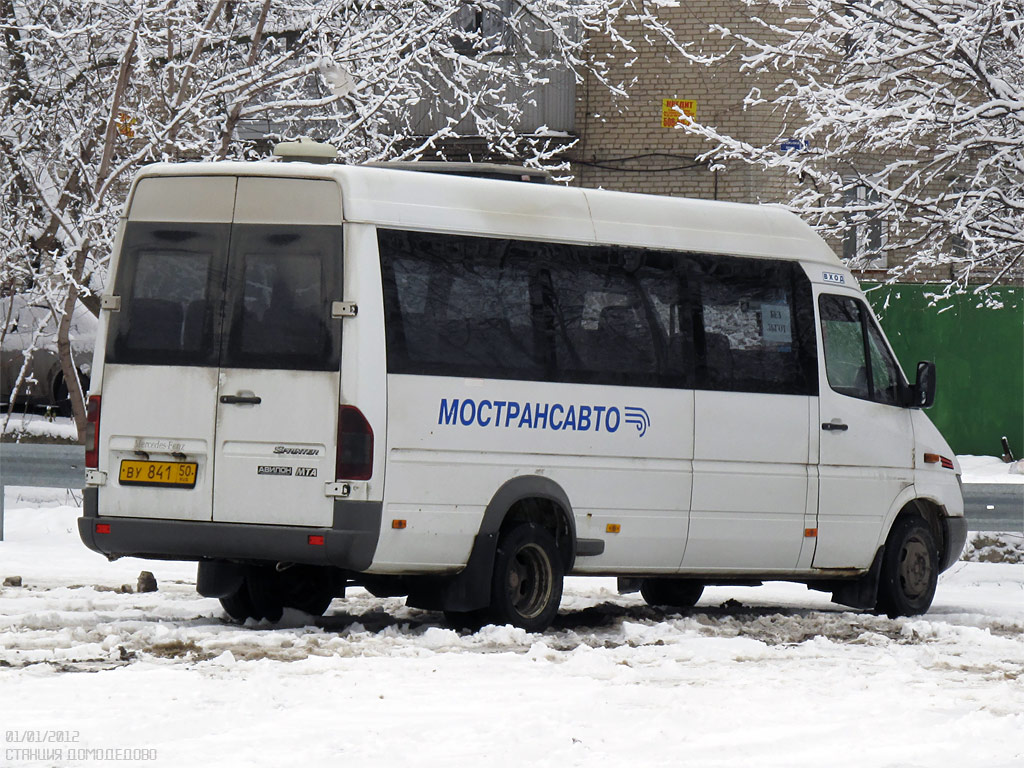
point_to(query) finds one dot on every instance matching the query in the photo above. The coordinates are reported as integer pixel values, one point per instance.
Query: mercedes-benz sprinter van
(463, 389)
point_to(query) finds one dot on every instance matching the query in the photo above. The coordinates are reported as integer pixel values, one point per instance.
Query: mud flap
(469, 590)
(862, 592)
(216, 578)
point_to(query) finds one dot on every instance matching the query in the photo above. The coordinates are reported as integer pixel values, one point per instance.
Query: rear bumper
(349, 543)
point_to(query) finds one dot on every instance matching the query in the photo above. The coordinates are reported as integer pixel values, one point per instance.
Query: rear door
(220, 389)
(277, 390)
(162, 348)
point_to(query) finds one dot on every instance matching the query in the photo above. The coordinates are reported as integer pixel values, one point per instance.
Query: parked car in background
(29, 325)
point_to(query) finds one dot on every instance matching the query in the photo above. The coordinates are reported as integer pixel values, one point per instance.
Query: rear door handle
(241, 399)
(834, 426)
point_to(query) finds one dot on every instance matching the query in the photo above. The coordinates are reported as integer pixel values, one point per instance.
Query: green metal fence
(979, 357)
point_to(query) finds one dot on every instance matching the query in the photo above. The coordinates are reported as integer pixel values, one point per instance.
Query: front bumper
(956, 538)
(350, 543)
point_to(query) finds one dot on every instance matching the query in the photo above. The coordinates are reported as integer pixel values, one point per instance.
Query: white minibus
(313, 376)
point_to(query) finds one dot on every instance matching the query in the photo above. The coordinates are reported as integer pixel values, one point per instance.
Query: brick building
(632, 144)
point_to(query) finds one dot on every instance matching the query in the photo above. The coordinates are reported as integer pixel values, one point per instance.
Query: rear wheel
(308, 589)
(265, 592)
(526, 588)
(238, 605)
(910, 569)
(673, 593)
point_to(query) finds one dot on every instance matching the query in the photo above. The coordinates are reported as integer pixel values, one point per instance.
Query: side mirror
(923, 392)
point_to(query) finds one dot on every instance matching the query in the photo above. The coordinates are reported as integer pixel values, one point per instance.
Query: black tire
(672, 593)
(307, 588)
(910, 569)
(238, 606)
(526, 588)
(265, 593)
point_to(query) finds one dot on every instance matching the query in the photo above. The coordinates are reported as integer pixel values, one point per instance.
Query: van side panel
(750, 482)
(363, 362)
(453, 442)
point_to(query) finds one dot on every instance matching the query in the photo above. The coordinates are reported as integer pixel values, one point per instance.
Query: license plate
(173, 474)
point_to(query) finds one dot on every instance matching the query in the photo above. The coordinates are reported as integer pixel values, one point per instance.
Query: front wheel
(910, 569)
(526, 588)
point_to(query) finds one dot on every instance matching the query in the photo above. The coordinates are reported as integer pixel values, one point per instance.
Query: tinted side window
(755, 322)
(609, 321)
(169, 280)
(885, 373)
(843, 338)
(857, 362)
(457, 306)
(283, 280)
(487, 307)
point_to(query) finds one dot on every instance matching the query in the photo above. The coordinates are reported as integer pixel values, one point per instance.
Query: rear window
(168, 278)
(595, 314)
(282, 282)
(186, 301)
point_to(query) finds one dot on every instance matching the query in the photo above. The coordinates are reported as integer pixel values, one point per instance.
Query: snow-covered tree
(93, 89)
(905, 116)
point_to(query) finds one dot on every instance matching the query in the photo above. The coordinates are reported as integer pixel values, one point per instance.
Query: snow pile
(995, 548)
(990, 469)
(35, 426)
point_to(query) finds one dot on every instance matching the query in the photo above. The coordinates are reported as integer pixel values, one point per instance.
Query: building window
(866, 238)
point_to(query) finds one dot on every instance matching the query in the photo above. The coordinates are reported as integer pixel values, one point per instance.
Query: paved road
(994, 506)
(44, 466)
(989, 507)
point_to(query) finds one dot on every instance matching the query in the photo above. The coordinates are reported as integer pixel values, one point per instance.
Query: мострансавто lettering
(555, 416)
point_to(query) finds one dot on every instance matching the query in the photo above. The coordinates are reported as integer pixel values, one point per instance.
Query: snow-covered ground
(772, 676)
(29, 426)
(989, 469)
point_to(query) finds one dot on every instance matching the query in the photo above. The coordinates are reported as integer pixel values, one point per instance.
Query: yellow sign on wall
(670, 109)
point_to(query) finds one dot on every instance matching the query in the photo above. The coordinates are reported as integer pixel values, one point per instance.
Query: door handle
(834, 426)
(241, 399)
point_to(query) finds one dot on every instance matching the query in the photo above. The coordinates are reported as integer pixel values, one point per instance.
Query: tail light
(92, 433)
(355, 445)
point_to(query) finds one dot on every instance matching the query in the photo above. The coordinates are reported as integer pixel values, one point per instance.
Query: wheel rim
(529, 581)
(915, 568)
